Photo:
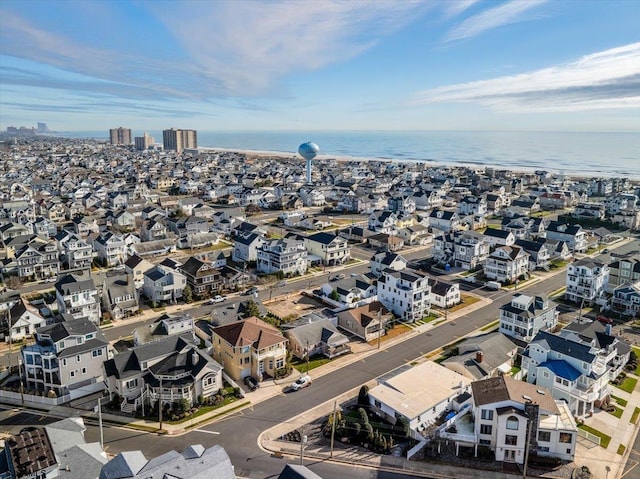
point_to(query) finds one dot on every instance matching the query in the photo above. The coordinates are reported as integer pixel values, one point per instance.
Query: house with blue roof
(574, 371)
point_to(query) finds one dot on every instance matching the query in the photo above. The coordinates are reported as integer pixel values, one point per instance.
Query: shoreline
(264, 154)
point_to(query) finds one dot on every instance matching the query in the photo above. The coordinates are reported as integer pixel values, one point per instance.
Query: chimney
(194, 357)
(479, 356)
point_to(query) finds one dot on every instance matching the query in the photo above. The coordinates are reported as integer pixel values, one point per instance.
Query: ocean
(572, 153)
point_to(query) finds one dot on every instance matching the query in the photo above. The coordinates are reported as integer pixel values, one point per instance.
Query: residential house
(195, 462)
(626, 299)
(405, 293)
(317, 338)
(44, 228)
(444, 220)
(382, 222)
(233, 279)
(249, 347)
(327, 248)
(385, 242)
(470, 249)
(613, 351)
(507, 264)
(496, 237)
(166, 370)
(487, 355)
(589, 211)
(524, 227)
(122, 219)
(623, 270)
(415, 235)
(506, 410)
(368, 322)
(24, 319)
(572, 371)
(472, 205)
(38, 260)
(587, 281)
(443, 294)
(573, 235)
(119, 296)
(110, 248)
(246, 246)
(136, 267)
(402, 205)
(153, 230)
(387, 260)
(162, 283)
(202, 277)
(316, 223)
(13, 230)
(421, 394)
(285, 256)
(538, 251)
(85, 225)
(77, 254)
(118, 199)
(164, 326)
(78, 296)
(66, 358)
(524, 316)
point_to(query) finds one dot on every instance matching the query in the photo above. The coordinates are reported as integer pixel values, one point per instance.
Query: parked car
(251, 291)
(606, 250)
(469, 279)
(216, 299)
(251, 383)
(338, 276)
(281, 283)
(495, 285)
(301, 382)
(604, 319)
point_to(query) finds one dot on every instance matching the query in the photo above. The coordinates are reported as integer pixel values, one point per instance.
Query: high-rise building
(42, 128)
(120, 136)
(143, 142)
(178, 140)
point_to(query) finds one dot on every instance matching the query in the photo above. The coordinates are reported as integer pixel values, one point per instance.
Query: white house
(328, 248)
(524, 316)
(23, 321)
(387, 260)
(587, 281)
(405, 293)
(245, 247)
(506, 263)
(78, 297)
(286, 256)
(162, 283)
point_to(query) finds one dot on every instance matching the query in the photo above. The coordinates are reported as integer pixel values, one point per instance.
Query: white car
(301, 382)
(216, 299)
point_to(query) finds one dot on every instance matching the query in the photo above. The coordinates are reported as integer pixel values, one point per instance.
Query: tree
(404, 424)
(187, 294)
(251, 309)
(364, 418)
(334, 295)
(13, 282)
(363, 395)
(368, 428)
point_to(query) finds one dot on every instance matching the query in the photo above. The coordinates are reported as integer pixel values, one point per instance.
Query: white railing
(589, 436)
(417, 448)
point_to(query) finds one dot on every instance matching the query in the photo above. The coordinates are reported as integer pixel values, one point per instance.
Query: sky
(527, 65)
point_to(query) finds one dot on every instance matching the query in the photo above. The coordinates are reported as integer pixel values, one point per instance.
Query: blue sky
(319, 64)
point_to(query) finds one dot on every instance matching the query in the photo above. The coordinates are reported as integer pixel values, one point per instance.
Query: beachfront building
(587, 281)
(524, 316)
(179, 140)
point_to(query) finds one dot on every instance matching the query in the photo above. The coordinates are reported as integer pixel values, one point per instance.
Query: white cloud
(455, 8)
(607, 79)
(510, 12)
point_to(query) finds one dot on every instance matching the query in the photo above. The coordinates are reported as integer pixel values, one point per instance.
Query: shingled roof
(250, 332)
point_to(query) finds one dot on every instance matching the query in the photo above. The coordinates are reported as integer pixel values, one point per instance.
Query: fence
(589, 436)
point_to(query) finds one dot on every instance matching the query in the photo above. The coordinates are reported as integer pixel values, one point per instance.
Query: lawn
(515, 370)
(637, 352)
(628, 385)
(618, 412)
(490, 325)
(604, 439)
(314, 362)
(467, 300)
(634, 416)
(619, 400)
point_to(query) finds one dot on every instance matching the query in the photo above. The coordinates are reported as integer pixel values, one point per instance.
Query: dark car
(250, 291)
(604, 320)
(251, 383)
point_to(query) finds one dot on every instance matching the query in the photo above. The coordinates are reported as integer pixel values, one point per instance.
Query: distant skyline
(539, 65)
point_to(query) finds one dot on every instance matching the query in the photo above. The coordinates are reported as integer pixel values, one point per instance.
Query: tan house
(249, 348)
(366, 322)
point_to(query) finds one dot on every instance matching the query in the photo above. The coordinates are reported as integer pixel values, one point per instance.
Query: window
(280, 363)
(72, 374)
(544, 436)
(486, 414)
(485, 429)
(485, 442)
(510, 440)
(84, 370)
(566, 437)
(131, 383)
(512, 423)
(64, 361)
(96, 352)
(77, 358)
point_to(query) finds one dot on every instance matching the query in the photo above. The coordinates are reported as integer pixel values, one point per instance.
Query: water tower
(308, 151)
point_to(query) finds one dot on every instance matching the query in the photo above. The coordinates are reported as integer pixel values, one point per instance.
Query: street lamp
(303, 443)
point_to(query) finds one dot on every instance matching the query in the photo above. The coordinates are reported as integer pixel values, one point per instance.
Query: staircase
(127, 407)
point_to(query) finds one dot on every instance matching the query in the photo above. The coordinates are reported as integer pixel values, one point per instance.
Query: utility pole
(526, 449)
(303, 442)
(100, 422)
(379, 326)
(307, 356)
(333, 426)
(21, 381)
(160, 405)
